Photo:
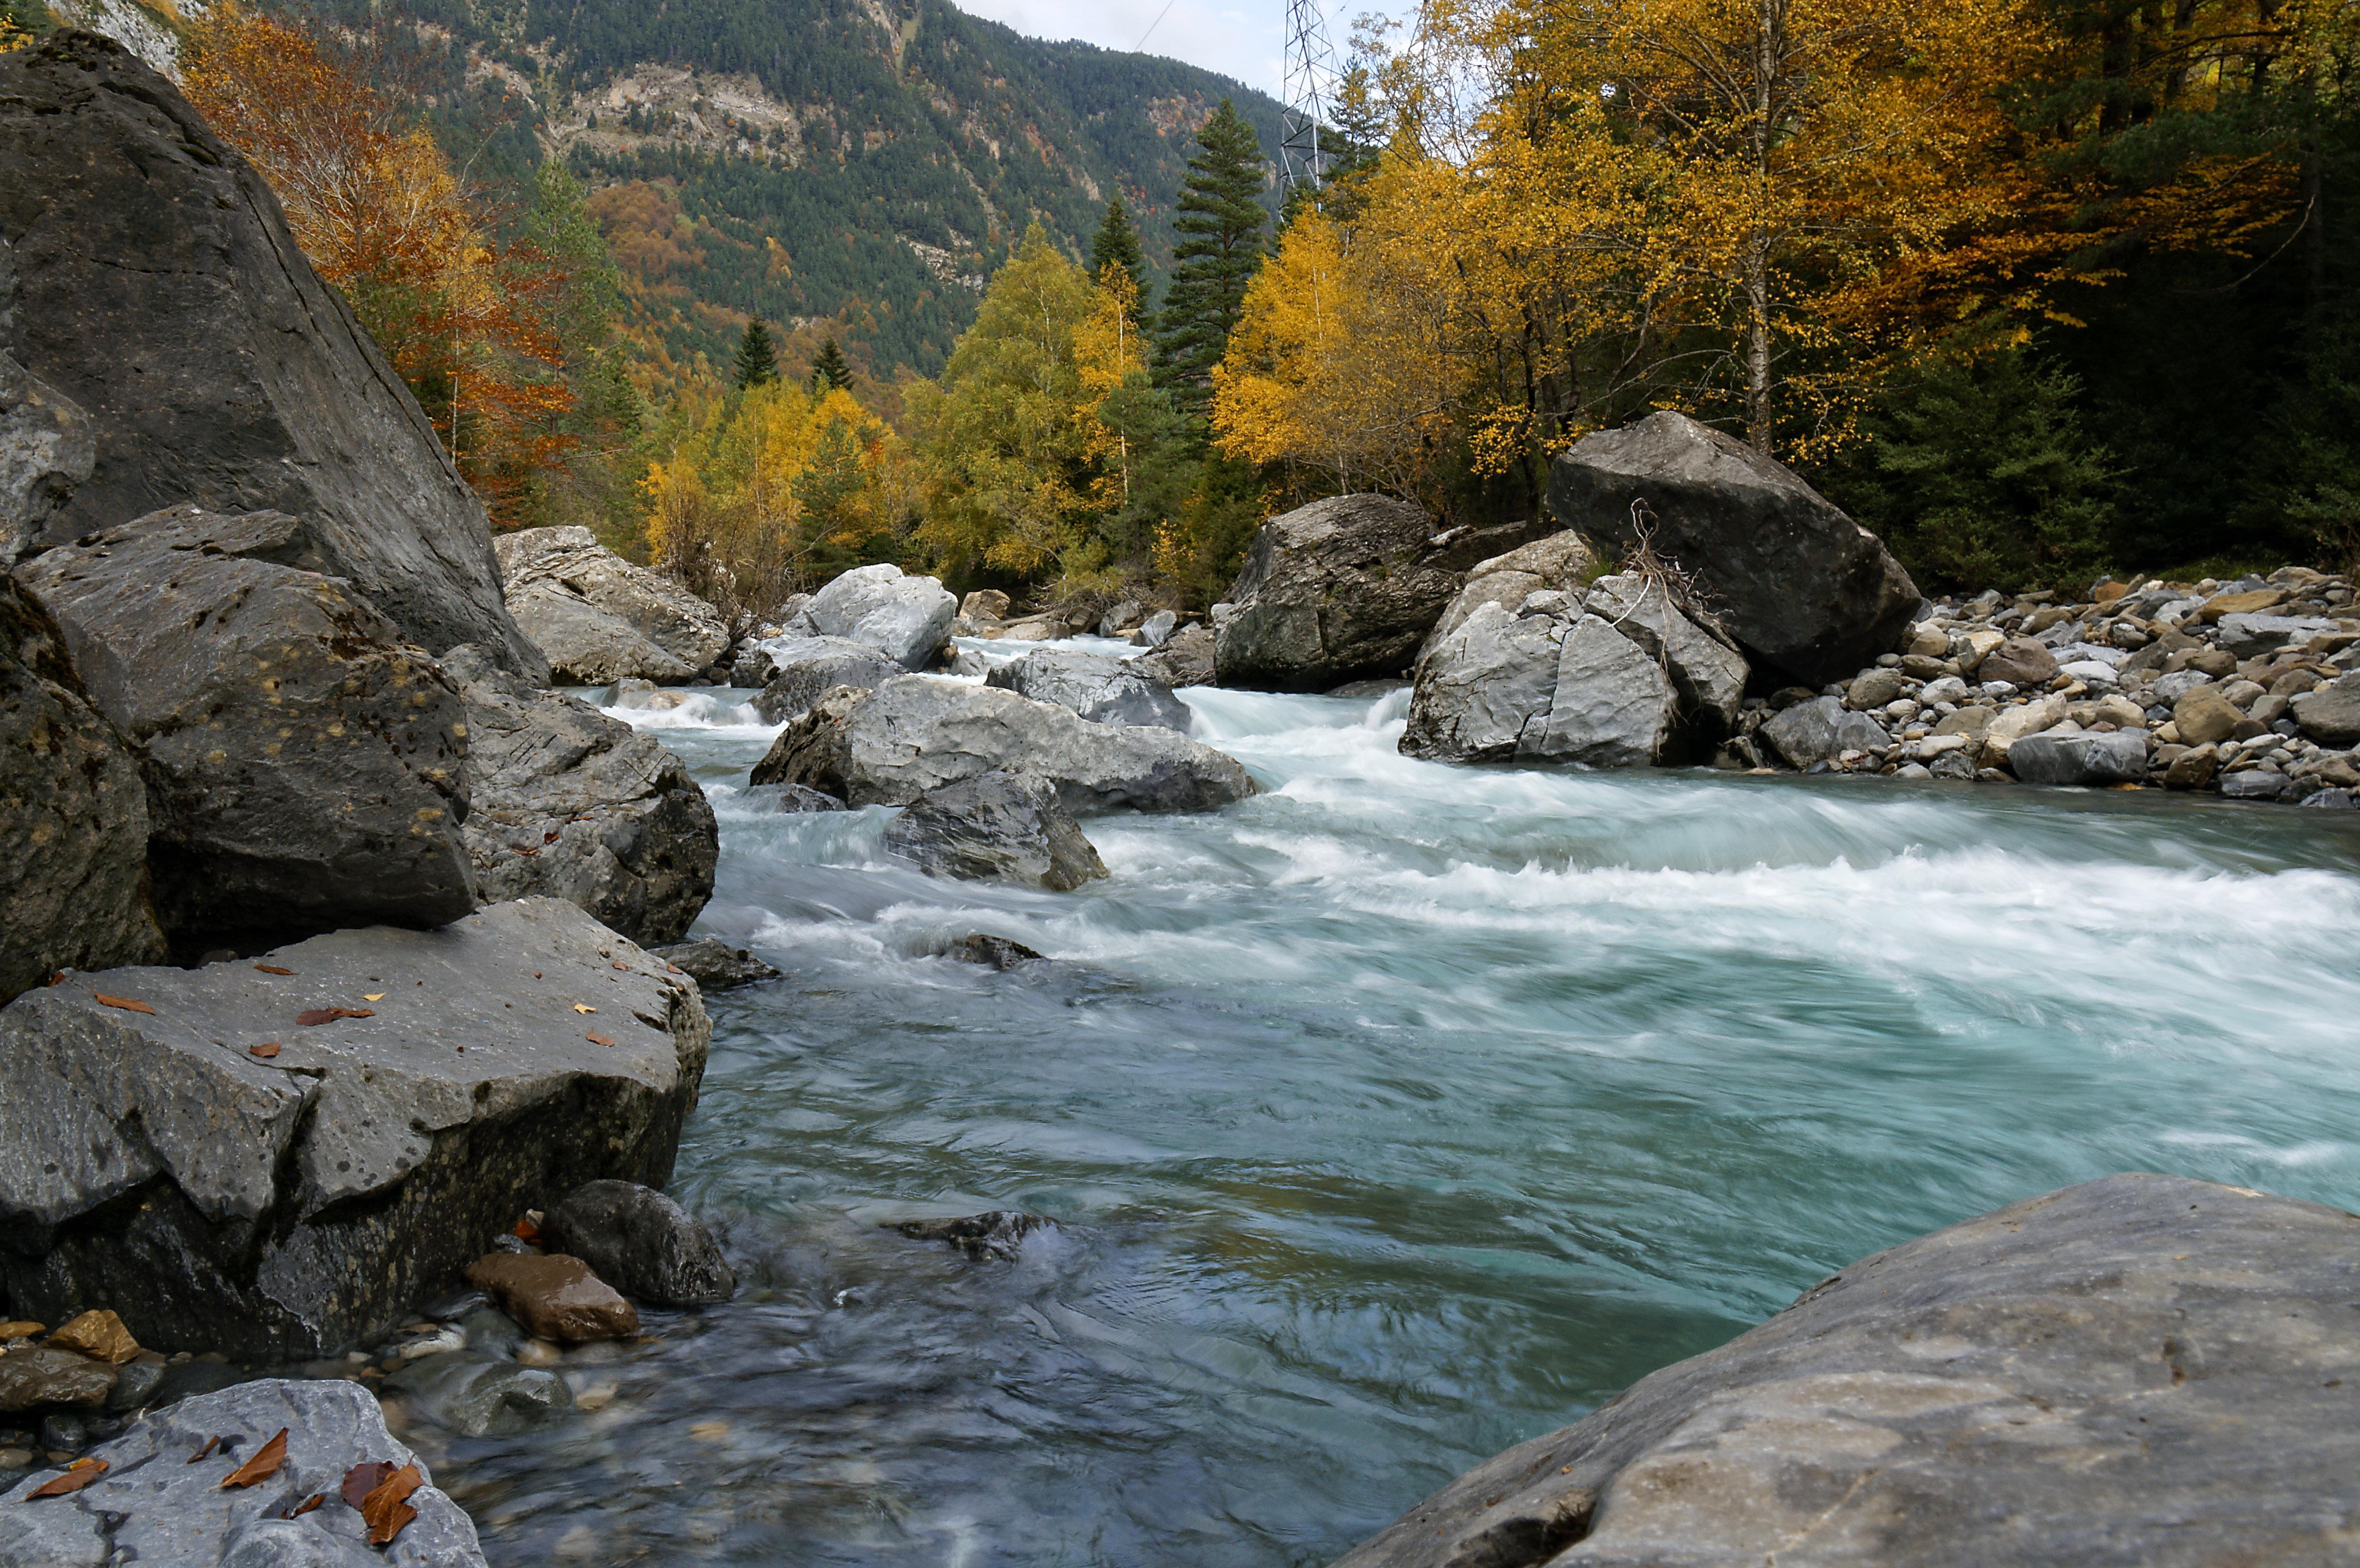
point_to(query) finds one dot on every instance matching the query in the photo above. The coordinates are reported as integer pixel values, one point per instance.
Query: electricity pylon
(1306, 79)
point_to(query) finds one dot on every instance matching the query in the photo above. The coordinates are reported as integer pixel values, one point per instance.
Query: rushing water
(1397, 1114)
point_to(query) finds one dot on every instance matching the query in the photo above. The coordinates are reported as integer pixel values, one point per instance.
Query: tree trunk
(1769, 49)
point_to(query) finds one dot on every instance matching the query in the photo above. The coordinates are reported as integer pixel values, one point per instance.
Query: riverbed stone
(713, 964)
(2115, 758)
(1796, 582)
(2330, 715)
(155, 1508)
(478, 1397)
(1185, 658)
(159, 288)
(2142, 1369)
(997, 1234)
(289, 1200)
(570, 803)
(43, 1376)
(1821, 730)
(1481, 683)
(1102, 690)
(1611, 705)
(2204, 715)
(555, 1297)
(916, 734)
(803, 669)
(1563, 560)
(592, 611)
(908, 619)
(2021, 661)
(302, 761)
(73, 815)
(999, 826)
(641, 1243)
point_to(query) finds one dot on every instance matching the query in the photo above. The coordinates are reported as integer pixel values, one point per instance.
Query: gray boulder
(73, 815)
(2136, 1371)
(303, 765)
(997, 826)
(713, 964)
(908, 619)
(2116, 757)
(155, 1507)
(47, 447)
(1562, 561)
(2331, 715)
(1156, 630)
(1344, 589)
(1101, 690)
(159, 290)
(1798, 584)
(1482, 683)
(1611, 706)
(803, 669)
(235, 1168)
(593, 613)
(1706, 670)
(1185, 658)
(572, 804)
(914, 735)
(641, 1243)
(1822, 730)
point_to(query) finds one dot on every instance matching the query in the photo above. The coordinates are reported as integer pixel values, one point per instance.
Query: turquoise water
(1400, 1113)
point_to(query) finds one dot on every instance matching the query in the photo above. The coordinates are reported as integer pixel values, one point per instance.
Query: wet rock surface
(555, 1297)
(2137, 1370)
(302, 761)
(475, 1397)
(997, 1234)
(1101, 690)
(159, 289)
(244, 1170)
(155, 1506)
(713, 964)
(989, 952)
(598, 617)
(641, 1243)
(998, 826)
(569, 803)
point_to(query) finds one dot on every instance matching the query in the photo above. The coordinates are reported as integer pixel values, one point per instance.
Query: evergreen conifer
(1220, 227)
(829, 368)
(757, 360)
(1117, 244)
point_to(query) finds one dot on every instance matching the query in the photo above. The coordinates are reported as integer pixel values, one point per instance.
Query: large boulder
(47, 447)
(598, 615)
(156, 1507)
(1798, 584)
(1344, 589)
(73, 815)
(1101, 690)
(641, 1243)
(1563, 562)
(1613, 675)
(2143, 1369)
(279, 1159)
(568, 802)
(908, 619)
(1185, 658)
(803, 669)
(159, 288)
(998, 826)
(916, 734)
(303, 764)
(1822, 730)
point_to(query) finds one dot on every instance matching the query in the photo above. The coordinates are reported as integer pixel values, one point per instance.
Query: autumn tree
(1221, 228)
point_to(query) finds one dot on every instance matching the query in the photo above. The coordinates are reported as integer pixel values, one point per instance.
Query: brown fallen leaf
(624, 967)
(672, 968)
(80, 1474)
(388, 1508)
(262, 1467)
(550, 837)
(126, 1002)
(581, 1007)
(528, 851)
(273, 969)
(330, 1015)
(306, 1506)
(59, 978)
(266, 1051)
(527, 1231)
(373, 996)
(211, 1443)
(536, 974)
(597, 1039)
(363, 1479)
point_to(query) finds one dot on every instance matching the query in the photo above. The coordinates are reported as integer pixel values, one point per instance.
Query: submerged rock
(989, 952)
(555, 1297)
(2134, 1370)
(233, 1165)
(908, 619)
(997, 826)
(304, 763)
(641, 1243)
(1796, 582)
(1000, 1233)
(160, 291)
(1101, 690)
(570, 803)
(715, 966)
(913, 735)
(475, 1397)
(158, 1507)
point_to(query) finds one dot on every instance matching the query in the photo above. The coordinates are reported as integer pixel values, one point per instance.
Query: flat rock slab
(155, 1508)
(226, 1176)
(2142, 1370)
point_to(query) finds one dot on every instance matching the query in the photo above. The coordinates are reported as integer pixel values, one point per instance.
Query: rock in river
(713, 964)
(569, 803)
(641, 1243)
(2138, 1370)
(997, 826)
(1103, 690)
(908, 619)
(916, 734)
(1792, 578)
(155, 1507)
(599, 618)
(557, 1297)
(160, 291)
(279, 1159)
(803, 669)
(1822, 730)
(303, 764)
(1185, 658)
(2116, 757)
(73, 815)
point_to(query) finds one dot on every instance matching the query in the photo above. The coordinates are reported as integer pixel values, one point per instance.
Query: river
(1399, 1113)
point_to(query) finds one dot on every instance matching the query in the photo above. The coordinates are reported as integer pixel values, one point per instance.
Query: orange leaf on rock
(80, 1474)
(306, 1506)
(273, 969)
(363, 1479)
(211, 1443)
(386, 1508)
(330, 1015)
(597, 1039)
(267, 1050)
(126, 1002)
(262, 1467)
(527, 1231)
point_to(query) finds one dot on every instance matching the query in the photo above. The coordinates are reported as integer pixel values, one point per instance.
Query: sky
(1243, 40)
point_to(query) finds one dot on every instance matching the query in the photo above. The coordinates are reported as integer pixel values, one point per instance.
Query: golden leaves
(126, 1002)
(78, 1475)
(262, 1467)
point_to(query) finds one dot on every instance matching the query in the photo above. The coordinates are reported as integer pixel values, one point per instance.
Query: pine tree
(758, 361)
(1117, 244)
(829, 368)
(1221, 228)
